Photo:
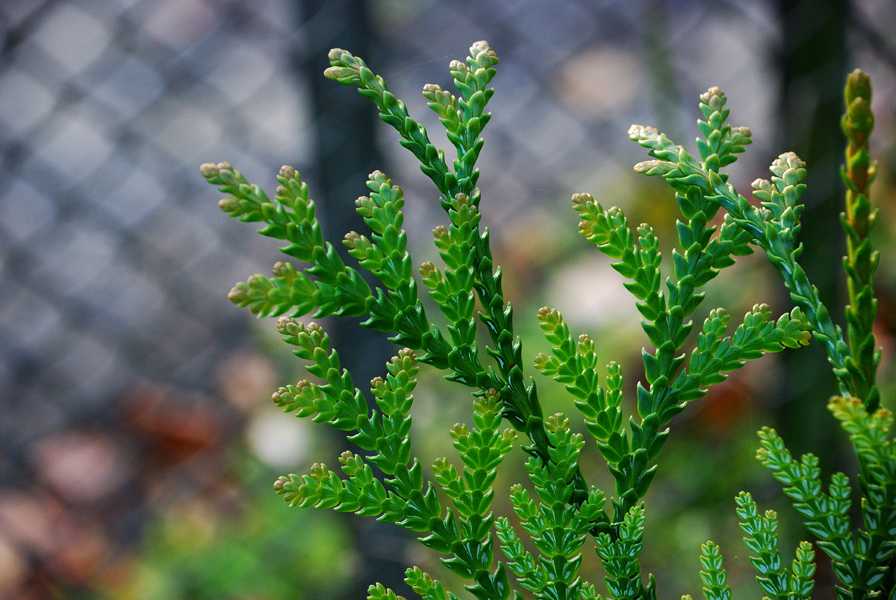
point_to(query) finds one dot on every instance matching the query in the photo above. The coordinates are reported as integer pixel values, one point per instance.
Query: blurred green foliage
(252, 547)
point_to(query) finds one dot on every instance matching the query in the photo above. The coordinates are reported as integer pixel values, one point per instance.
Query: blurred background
(137, 440)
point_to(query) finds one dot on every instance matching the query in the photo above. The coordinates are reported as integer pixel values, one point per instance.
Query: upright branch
(672, 378)
(464, 118)
(327, 286)
(761, 538)
(773, 227)
(712, 573)
(760, 535)
(556, 525)
(858, 219)
(861, 557)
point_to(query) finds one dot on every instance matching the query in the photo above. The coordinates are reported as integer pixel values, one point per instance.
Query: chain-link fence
(119, 351)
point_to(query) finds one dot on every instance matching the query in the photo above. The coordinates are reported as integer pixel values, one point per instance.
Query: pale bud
(228, 204)
(714, 97)
(427, 269)
(237, 293)
(338, 55)
(282, 269)
(288, 326)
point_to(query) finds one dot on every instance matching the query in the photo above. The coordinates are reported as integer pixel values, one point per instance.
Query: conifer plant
(537, 550)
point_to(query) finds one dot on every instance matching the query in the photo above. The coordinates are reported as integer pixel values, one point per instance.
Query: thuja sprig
(672, 377)
(331, 287)
(858, 219)
(761, 538)
(760, 535)
(464, 118)
(462, 533)
(861, 558)
(470, 490)
(452, 290)
(555, 523)
(620, 558)
(425, 586)
(702, 252)
(871, 436)
(573, 363)
(773, 227)
(712, 573)
(380, 592)
(717, 354)
(328, 286)
(700, 255)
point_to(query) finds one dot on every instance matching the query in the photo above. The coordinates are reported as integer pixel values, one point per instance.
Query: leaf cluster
(862, 557)
(448, 505)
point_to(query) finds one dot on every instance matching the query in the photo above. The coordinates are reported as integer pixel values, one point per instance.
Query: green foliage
(380, 592)
(620, 558)
(858, 219)
(772, 227)
(425, 586)
(701, 253)
(198, 548)
(449, 506)
(712, 573)
(761, 538)
(862, 559)
(556, 526)
(871, 437)
(825, 514)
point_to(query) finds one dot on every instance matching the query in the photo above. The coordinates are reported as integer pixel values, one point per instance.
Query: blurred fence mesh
(115, 259)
